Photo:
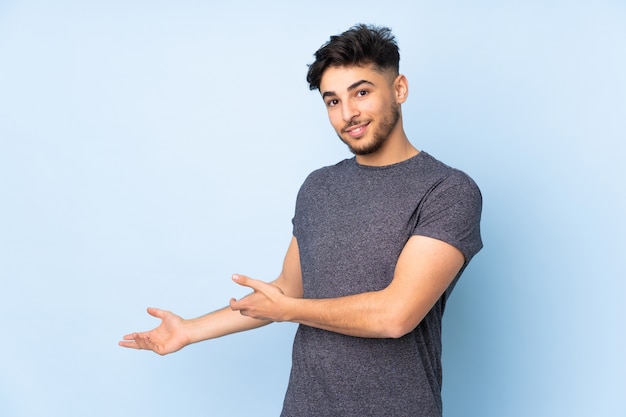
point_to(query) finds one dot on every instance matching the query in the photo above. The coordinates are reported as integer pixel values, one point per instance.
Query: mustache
(353, 123)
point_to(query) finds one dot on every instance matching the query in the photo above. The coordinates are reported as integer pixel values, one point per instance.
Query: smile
(356, 131)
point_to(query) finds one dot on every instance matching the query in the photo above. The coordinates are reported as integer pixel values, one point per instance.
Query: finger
(245, 281)
(234, 304)
(241, 306)
(131, 341)
(145, 342)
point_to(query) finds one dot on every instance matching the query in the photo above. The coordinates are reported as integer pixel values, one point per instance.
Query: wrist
(290, 309)
(192, 331)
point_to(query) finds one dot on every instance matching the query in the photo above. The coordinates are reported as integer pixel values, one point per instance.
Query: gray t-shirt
(351, 223)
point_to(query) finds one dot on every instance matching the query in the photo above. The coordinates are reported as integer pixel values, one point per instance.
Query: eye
(362, 93)
(332, 103)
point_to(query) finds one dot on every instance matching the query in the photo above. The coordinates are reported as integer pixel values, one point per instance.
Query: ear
(401, 89)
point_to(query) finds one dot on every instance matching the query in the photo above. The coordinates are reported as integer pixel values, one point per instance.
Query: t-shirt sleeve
(451, 212)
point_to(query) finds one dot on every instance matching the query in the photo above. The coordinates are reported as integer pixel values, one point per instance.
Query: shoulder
(444, 176)
(329, 172)
(452, 198)
(451, 209)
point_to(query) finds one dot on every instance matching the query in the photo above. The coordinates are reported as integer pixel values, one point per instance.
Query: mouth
(356, 131)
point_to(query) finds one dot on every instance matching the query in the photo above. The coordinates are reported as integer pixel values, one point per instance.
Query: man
(379, 240)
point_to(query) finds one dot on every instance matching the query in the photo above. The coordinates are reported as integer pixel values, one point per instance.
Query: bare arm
(425, 268)
(174, 332)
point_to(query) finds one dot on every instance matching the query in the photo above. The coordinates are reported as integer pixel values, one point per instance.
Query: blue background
(148, 150)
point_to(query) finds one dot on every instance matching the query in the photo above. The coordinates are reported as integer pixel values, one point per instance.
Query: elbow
(398, 324)
(395, 331)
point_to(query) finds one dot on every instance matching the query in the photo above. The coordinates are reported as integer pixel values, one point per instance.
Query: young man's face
(362, 106)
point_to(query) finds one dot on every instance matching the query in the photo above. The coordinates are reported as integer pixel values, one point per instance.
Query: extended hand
(168, 337)
(267, 302)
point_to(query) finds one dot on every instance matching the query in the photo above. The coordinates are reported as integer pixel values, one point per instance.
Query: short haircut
(358, 46)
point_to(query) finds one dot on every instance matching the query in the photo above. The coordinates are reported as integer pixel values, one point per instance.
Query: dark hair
(360, 45)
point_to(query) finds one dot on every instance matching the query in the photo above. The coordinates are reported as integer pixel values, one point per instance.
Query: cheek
(376, 107)
(336, 120)
(369, 106)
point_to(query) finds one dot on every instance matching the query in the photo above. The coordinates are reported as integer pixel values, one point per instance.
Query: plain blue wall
(148, 150)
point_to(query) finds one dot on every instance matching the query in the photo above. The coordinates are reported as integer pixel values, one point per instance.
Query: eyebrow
(350, 88)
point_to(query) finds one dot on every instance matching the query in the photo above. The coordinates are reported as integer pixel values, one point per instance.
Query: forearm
(226, 321)
(220, 323)
(367, 314)
(376, 314)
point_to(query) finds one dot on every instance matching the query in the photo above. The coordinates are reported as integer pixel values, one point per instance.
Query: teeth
(356, 130)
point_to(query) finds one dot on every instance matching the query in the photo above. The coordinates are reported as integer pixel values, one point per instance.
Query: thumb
(155, 312)
(246, 281)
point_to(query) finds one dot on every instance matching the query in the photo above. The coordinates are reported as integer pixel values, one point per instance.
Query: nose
(348, 111)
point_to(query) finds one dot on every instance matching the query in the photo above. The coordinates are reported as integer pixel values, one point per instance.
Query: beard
(380, 135)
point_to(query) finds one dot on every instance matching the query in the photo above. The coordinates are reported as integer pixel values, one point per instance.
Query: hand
(168, 337)
(267, 302)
